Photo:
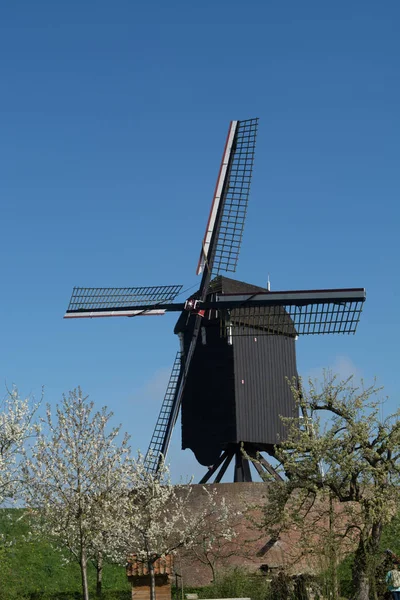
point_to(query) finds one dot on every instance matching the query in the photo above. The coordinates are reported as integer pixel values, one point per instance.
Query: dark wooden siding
(208, 403)
(261, 365)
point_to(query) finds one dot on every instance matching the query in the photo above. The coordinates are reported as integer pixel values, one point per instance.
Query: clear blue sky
(113, 118)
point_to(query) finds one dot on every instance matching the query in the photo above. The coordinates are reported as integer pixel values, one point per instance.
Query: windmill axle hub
(194, 306)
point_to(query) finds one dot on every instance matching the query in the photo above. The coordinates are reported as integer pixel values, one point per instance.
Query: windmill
(237, 340)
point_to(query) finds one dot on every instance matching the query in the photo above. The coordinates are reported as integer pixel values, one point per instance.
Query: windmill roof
(271, 319)
(275, 318)
(226, 285)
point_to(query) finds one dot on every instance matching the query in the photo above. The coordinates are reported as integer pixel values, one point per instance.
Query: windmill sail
(306, 312)
(230, 200)
(221, 243)
(162, 433)
(119, 302)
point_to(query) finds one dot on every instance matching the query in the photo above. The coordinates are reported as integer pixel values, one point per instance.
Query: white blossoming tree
(16, 427)
(218, 539)
(158, 518)
(77, 471)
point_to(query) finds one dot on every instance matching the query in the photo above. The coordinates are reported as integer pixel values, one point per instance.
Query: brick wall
(240, 552)
(252, 549)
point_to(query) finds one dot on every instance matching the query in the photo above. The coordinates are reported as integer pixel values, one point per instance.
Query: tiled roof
(162, 566)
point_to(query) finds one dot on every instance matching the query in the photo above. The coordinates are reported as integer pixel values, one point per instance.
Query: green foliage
(342, 451)
(238, 583)
(32, 568)
(106, 595)
(345, 577)
(391, 536)
(176, 592)
(7, 577)
(390, 539)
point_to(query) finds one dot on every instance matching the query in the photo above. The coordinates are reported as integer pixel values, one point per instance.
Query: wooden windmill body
(240, 401)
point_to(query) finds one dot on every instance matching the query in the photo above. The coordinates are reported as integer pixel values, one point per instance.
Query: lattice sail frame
(236, 199)
(314, 312)
(162, 432)
(120, 302)
(231, 197)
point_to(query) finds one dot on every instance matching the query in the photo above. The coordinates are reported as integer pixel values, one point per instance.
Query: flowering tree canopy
(16, 427)
(218, 540)
(96, 500)
(76, 472)
(158, 518)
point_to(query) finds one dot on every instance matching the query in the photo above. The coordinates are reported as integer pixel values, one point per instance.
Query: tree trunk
(83, 565)
(152, 580)
(363, 587)
(213, 571)
(376, 535)
(360, 572)
(333, 592)
(364, 567)
(99, 574)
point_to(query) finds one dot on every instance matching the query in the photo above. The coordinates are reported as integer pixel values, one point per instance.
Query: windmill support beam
(242, 468)
(214, 468)
(258, 461)
(246, 455)
(258, 468)
(224, 468)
